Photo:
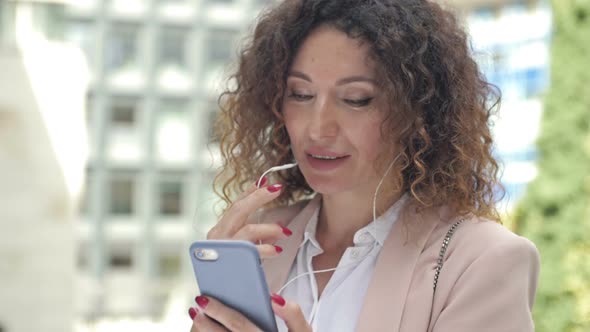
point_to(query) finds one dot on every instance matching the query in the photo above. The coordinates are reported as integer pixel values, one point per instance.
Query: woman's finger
(291, 313)
(235, 217)
(268, 250)
(226, 316)
(202, 323)
(262, 232)
(251, 188)
(213, 232)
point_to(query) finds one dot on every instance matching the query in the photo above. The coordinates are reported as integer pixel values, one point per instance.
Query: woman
(386, 113)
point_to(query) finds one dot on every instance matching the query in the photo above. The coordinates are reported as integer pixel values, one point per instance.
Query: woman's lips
(325, 162)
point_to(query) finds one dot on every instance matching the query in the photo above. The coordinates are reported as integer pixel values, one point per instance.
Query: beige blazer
(487, 283)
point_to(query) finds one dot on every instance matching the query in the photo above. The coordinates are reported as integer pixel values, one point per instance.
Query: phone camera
(204, 254)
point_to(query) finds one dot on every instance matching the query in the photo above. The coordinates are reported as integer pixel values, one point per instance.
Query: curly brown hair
(440, 102)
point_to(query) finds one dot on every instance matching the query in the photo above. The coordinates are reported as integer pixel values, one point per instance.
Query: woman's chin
(326, 187)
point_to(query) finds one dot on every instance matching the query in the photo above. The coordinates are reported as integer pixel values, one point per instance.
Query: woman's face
(333, 113)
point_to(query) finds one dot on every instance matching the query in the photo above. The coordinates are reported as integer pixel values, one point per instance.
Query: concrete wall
(42, 154)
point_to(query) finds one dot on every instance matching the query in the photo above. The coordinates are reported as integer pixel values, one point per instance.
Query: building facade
(157, 68)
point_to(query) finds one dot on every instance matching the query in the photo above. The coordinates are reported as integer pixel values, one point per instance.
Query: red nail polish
(286, 231)
(275, 187)
(202, 301)
(276, 298)
(278, 249)
(261, 183)
(192, 313)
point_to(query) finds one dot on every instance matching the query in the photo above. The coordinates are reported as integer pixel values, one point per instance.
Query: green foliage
(555, 212)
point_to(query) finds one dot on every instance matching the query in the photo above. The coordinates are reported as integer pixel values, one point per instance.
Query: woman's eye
(300, 96)
(359, 102)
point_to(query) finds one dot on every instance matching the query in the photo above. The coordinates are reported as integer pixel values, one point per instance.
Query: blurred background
(106, 157)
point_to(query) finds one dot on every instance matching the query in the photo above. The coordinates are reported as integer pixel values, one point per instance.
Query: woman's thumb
(291, 313)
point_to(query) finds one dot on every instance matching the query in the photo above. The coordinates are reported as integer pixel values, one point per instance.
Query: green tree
(555, 212)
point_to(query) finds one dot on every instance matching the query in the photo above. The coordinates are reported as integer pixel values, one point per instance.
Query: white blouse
(339, 307)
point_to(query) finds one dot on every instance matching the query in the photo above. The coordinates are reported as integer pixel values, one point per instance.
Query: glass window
(484, 13)
(122, 47)
(82, 34)
(124, 141)
(173, 60)
(170, 192)
(220, 46)
(172, 51)
(121, 198)
(120, 260)
(173, 136)
(169, 265)
(124, 111)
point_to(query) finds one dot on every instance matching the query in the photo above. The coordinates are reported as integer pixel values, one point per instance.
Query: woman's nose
(324, 121)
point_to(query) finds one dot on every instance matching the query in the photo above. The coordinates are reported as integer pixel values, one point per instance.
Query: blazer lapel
(388, 289)
(277, 269)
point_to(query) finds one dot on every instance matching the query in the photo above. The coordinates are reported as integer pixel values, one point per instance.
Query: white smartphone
(231, 272)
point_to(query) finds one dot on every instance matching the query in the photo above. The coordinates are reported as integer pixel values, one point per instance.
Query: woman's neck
(342, 215)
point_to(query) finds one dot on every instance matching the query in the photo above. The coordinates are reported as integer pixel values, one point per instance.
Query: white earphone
(274, 169)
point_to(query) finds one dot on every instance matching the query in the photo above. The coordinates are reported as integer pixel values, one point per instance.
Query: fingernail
(275, 187)
(261, 183)
(276, 298)
(192, 312)
(202, 301)
(278, 249)
(286, 231)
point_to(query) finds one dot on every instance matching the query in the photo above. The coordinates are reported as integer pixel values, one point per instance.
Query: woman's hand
(291, 313)
(231, 320)
(234, 224)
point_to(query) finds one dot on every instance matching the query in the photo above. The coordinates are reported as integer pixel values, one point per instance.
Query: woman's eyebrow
(358, 78)
(300, 75)
(342, 81)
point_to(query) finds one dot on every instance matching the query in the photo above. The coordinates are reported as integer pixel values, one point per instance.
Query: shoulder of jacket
(475, 237)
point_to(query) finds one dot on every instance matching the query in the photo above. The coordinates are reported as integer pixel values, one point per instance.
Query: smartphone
(231, 272)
